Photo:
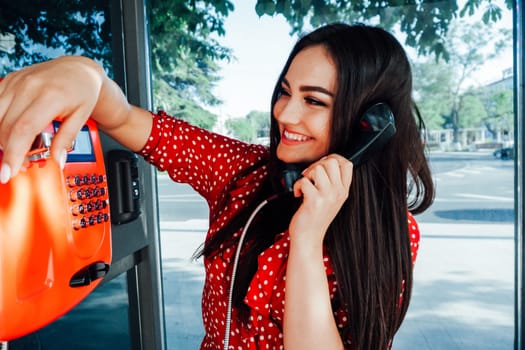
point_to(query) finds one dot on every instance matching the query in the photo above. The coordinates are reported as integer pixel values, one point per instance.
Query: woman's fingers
(24, 119)
(347, 172)
(331, 172)
(30, 99)
(67, 132)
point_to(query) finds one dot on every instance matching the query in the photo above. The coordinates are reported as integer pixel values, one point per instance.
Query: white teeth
(295, 137)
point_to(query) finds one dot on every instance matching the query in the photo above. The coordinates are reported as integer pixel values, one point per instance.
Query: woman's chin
(291, 159)
(286, 157)
(296, 154)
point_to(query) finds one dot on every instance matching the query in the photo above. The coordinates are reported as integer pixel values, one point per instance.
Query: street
(470, 187)
(463, 279)
(475, 188)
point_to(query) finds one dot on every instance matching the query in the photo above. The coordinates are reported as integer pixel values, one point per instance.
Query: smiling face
(304, 108)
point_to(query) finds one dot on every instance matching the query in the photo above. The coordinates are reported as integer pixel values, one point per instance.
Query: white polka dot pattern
(210, 163)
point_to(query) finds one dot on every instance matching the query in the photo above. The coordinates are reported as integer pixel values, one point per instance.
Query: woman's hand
(324, 187)
(67, 87)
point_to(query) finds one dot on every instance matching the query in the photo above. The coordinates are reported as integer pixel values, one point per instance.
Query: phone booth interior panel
(113, 277)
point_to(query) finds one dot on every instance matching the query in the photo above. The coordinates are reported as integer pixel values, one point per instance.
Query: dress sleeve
(413, 231)
(205, 160)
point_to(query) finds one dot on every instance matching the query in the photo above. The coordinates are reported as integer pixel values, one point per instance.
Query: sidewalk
(463, 295)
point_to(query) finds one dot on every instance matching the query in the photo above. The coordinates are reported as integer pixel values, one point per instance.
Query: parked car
(504, 153)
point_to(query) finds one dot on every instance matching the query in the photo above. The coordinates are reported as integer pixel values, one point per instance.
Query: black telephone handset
(377, 127)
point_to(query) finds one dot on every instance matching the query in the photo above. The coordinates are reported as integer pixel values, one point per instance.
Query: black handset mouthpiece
(290, 173)
(376, 128)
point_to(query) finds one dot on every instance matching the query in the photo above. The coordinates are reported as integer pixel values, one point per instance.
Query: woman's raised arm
(73, 88)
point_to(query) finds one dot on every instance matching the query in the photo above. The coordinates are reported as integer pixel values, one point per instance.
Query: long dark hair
(368, 241)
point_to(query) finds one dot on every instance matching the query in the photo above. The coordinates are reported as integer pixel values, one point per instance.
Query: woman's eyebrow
(310, 88)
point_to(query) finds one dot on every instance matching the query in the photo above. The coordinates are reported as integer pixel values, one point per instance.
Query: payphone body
(55, 233)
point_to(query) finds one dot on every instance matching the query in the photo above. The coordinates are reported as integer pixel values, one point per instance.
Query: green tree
(499, 109)
(424, 22)
(472, 111)
(185, 56)
(185, 53)
(441, 85)
(241, 128)
(260, 122)
(169, 100)
(431, 81)
(47, 28)
(254, 127)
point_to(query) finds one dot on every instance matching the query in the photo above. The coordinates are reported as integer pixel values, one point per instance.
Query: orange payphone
(55, 233)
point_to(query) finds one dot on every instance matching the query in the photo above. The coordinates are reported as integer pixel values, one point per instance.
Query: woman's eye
(314, 101)
(282, 92)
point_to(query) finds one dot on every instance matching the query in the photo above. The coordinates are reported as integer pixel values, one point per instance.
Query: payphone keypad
(88, 195)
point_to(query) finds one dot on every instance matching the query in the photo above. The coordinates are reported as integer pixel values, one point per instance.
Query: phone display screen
(83, 147)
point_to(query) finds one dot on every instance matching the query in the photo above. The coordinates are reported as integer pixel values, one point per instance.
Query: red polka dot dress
(212, 165)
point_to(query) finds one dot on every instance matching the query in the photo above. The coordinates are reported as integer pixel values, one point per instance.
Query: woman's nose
(289, 112)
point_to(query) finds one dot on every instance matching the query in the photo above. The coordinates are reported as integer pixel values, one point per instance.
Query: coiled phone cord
(234, 270)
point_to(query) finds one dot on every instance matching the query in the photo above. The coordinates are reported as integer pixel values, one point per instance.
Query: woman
(329, 267)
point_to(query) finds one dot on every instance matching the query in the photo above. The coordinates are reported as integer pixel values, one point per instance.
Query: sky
(261, 47)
